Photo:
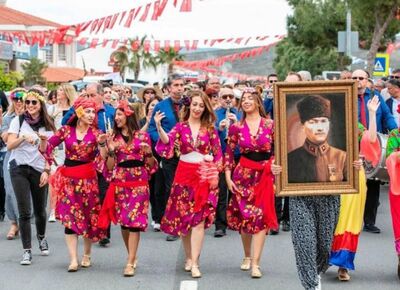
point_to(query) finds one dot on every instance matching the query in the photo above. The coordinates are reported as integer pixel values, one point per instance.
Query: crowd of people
(194, 154)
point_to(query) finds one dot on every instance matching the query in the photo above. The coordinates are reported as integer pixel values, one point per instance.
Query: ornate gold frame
(281, 90)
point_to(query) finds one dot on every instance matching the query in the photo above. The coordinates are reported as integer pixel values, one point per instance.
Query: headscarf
(123, 105)
(79, 106)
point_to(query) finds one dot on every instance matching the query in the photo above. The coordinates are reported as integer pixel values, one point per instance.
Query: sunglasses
(273, 81)
(150, 92)
(358, 78)
(33, 102)
(228, 96)
(213, 96)
(394, 77)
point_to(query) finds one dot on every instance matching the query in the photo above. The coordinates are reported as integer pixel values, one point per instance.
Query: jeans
(11, 201)
(25, 181)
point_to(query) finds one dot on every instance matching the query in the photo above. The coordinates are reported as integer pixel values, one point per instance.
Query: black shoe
(43, 246)
(371, 229)
(26, 258)
(398, 268)
(274, 232)
(286, 226)
(104, 242)
(219, 233)
(171, 238)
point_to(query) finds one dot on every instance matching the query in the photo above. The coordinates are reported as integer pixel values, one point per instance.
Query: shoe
(26, 258)
(52, 217)
(73, 267)
(246, 264)
(371, 229)
(319, 283)
(274, 232)
(86, 263)
(188, 265)
(255, 271)
(129, 270)
(43, 246)
(156, 227)
(343, 275)
(219, 233)
(171, 238)
(195, 271)
(13, 232)
(104, 242)
(398, 268)
(286, 226)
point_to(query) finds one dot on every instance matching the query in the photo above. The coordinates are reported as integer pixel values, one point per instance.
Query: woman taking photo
(251, 210)
(16, 109)
(129, 164)
(193, 199)
(29, 171)
(75, 183)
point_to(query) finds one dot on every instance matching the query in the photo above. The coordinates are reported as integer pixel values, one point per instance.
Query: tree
(33, 71)
(169, 57)
(379, 17)
(135, 57)
(312, 38)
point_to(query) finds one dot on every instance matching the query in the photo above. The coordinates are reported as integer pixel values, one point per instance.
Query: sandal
(129, 270)
(86, 261)
(195, 271)
(188, 265)
(255, 272)
(246, 264)
(13, 232)
(343, 275)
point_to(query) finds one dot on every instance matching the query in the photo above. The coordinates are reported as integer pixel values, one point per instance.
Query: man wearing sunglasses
(226, 115)
(393, 102)
(385, 122)
(269, 94)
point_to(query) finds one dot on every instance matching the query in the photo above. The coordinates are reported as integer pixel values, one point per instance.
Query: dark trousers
(2, 189)
(168, 169)
(285, 212)
(103, 186)
(372, 201)
(25, 181)
(157, 196)
(223, 199)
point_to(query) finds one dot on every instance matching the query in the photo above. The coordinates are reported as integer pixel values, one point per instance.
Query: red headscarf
(123, 105)
(80, 104)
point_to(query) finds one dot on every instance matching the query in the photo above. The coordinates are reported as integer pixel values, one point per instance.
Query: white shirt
(396, 115)
(25, 153)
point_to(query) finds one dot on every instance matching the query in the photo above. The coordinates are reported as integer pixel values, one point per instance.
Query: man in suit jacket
(393, 102)
(170, 107)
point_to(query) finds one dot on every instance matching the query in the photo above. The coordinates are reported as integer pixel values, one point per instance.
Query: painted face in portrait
(317, 129)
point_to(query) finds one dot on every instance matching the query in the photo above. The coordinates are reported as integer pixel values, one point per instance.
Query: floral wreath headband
(124, 106)
(34, 94)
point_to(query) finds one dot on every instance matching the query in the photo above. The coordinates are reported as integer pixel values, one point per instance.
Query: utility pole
(348, 32)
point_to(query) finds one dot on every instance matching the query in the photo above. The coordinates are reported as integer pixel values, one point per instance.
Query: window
(62, 52)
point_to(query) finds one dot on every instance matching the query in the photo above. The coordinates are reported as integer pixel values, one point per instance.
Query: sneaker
(43, 246)
(285, 226)
(26, 258)
(371, 229)
(52, 217)
(156, 227)
(319, 283)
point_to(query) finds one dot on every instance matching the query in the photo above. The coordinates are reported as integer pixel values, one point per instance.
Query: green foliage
(312, 37)
(7, 83)
(168, 57)
(33, 71)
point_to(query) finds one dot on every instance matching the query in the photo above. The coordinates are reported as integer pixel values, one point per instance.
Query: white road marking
(188, 285)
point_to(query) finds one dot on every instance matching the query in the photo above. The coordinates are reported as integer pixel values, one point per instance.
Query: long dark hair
(47, 121)
(132, 124)
(207, 118)
(258, 101)
(158, 98)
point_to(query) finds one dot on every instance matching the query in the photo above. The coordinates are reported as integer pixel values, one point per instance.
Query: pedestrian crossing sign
(381, 65)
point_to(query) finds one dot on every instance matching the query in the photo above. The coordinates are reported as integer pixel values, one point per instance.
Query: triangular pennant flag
(107, 23)
(175, 3)
(162, 7)
(177, 45)
(115, 43)
(83, 41)
(194, 44)
(167, 45)
(238, 40)
(137, 12)
(213, 42)
(94, 25)
(156, 6)
(113, 20)
(130, 18)
(186, 6)
(101, 21)
(146, 46)
(187, 44)
(146, 12)
(247, 41)
(94, 43)
(105, 41)
(122, 17)
(69, 39)
(156, 45)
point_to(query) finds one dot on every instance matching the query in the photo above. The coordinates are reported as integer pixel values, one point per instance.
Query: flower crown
(17, 95)
(34, 94)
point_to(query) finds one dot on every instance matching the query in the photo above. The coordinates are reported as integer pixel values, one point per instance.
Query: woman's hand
(276, 169)
(231, 186)
(358, 164)
(102, 138)
(158, 117)
(44, 178)
(146, 149)
(373, 104)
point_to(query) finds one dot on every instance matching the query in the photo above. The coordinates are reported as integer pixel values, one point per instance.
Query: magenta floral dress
(131, 203)
(78, 201)
(242, 214)
(179, 215)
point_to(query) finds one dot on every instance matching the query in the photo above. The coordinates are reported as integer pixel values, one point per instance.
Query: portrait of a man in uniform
(316, 160)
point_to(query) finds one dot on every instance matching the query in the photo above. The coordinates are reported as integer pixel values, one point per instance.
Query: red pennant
(213, 42)
(122, 17)
(130, 18)
(107, 23)
(105, 41)
(238, 40)
(94, 43)
(177, 45)
(187, 44)
(146, 46)
(101, 21)
(167, 45)
(247, 41)
(137, 12)
(115, 43)
(186, 6)
(162, 7)
(155, 10)
(94, 25)
(229, 40)
(175, 3)
(205, 41)
(146, 12)
(69, 39)
(83, 41)
(156, 45)
(194, 44)
(78, 29)
(114, 19)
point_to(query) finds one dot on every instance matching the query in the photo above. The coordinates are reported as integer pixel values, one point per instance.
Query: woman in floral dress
(129, 163)
(251, 210)
(194, 195)
(75, 183)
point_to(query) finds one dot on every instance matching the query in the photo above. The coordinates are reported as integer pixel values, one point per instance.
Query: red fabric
(393, 168)
(363, 115)
(346, 241)
(60, 178)
(394, 201)
(264, 190)
(371, 151)
(188, 174)
(107, 212)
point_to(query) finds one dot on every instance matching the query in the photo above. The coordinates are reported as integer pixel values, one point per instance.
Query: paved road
(161, 262)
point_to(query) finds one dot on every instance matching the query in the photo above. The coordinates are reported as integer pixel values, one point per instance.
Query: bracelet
(148, 155)
(111, 153)
(102, 144)
(47, 171)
